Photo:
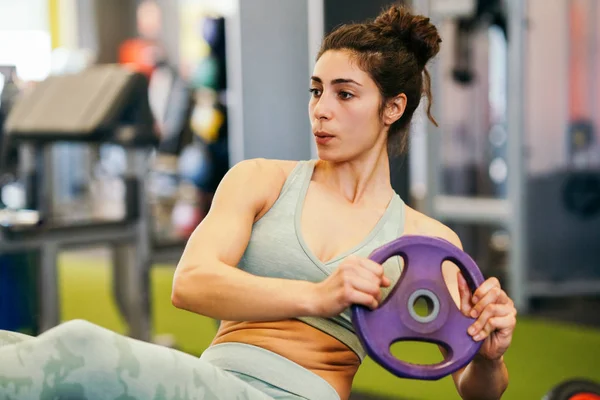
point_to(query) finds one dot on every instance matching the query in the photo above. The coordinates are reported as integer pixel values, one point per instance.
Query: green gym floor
(543, 353)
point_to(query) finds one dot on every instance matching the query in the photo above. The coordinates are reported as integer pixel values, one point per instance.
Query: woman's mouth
(323, 138)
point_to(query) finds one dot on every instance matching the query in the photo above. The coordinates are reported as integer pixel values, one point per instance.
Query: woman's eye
(346, 95)
(315, 92)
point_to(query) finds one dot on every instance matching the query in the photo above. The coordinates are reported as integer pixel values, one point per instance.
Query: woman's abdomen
(311, 348)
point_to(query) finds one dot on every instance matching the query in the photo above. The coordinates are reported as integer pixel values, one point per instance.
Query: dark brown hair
(393, 49)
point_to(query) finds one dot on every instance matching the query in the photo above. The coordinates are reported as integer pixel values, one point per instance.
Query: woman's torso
(328, 229)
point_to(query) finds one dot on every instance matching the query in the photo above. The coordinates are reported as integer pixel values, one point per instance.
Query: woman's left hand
(495, 313)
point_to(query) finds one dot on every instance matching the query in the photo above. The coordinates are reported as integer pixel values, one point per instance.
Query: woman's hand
(357, 280)
(496, 316)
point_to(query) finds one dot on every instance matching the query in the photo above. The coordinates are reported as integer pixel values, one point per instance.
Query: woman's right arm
(207, 281)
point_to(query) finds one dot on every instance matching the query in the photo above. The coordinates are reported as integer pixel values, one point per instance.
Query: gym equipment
(206, 122)
(219, 153)
(103, 104)
(186, 216)
(559, 237)
(209, 73)
(140, 55)
(543, 236)
(195, 165)
(562, 219)
(581, 193)
(213, 31)
(396, 320)
(574, 389)
(580, 136)
(212, 72)
(19, 300)
(488, 12)
(172, 102)
(8, 93)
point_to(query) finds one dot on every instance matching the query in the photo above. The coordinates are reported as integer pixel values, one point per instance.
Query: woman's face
(344, 108)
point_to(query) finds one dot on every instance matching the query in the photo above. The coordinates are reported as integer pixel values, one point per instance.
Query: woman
(282, 255)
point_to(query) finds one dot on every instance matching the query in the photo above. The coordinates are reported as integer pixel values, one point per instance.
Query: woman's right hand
(357, 280)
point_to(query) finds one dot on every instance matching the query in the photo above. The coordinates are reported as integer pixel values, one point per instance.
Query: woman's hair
(393, 49)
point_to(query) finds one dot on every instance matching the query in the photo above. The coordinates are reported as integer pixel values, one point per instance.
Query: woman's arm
(483, 379)
(207, 281)
(486, 376)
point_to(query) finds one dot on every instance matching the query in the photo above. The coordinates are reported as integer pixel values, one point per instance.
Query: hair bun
(416, 32)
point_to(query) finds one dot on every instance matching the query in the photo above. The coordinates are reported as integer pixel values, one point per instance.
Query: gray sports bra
(276, 249)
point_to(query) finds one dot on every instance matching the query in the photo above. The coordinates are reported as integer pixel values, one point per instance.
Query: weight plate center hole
(423, 305)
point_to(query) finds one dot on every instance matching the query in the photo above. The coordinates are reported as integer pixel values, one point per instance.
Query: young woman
(283, 254)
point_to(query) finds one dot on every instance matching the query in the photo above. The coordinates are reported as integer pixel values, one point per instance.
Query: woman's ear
(394, 109)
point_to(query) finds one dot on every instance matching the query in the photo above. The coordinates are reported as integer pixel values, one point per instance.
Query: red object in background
(585, 396)
(140, 55)
(580, 90)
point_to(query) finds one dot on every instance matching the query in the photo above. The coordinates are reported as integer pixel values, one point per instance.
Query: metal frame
(129, 240)
(49, 243)
(517, 172)
(133, 253)
(509, 212)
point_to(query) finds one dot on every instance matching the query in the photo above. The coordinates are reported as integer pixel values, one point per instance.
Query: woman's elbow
(181, 290)
(177, 295)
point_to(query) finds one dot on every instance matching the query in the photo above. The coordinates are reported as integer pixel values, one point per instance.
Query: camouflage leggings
(79, 360)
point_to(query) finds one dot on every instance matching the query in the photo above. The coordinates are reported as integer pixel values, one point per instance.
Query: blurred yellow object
(54, 23)
(206, 122)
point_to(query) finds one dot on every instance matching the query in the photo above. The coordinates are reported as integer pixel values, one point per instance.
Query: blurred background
(104, 173)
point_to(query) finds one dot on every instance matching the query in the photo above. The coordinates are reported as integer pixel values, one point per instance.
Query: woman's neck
(359, 179)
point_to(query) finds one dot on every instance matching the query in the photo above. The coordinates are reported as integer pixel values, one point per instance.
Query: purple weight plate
(394, 321)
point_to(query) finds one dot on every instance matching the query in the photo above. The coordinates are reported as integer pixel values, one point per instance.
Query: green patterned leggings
(81, 361)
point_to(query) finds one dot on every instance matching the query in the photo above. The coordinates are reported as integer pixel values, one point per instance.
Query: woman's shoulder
(260, 179)
(266, 170)
(418, 223)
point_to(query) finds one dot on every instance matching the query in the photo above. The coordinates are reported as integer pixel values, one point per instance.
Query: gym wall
(268, 62)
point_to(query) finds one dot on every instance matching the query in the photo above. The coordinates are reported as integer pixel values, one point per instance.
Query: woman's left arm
(486, 376)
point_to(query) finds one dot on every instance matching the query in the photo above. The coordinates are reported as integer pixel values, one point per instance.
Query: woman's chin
(331, 155)
(326, 154)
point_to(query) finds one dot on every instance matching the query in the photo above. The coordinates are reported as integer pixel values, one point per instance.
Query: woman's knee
(79, 332)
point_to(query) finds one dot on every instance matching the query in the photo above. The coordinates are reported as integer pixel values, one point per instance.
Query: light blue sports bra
(276, 249)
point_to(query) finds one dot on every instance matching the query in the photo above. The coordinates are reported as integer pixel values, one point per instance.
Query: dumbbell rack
(509, 212)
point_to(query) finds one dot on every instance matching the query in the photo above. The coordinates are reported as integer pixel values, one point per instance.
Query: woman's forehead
(338, 64)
